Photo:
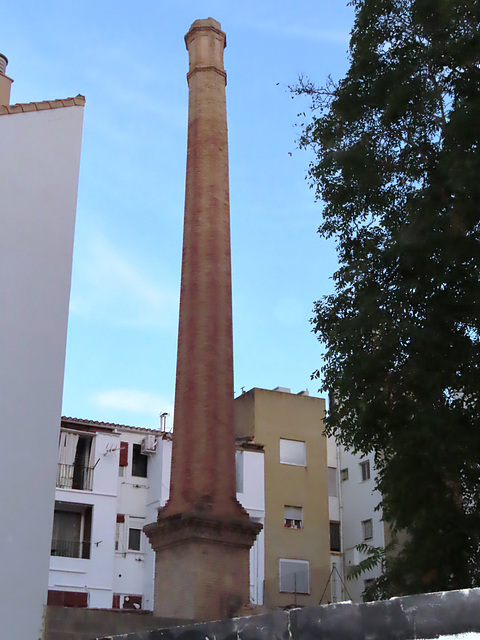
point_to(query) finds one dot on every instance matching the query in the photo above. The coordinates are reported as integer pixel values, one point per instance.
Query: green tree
(397, 164)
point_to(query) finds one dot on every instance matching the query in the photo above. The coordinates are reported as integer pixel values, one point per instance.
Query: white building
(111, 481)
(39, 159)
(354, 519)
(361, 522)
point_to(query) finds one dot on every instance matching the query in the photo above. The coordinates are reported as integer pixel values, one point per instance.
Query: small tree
(397, 164)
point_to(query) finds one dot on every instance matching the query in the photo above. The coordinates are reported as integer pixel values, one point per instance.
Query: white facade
(109, 486)
(355, 508)
(39, 160)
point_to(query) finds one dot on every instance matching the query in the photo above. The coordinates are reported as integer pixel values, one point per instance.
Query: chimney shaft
(5, 81)
(203, 421)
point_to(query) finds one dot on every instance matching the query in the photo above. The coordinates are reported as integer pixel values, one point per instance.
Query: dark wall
(408, 618)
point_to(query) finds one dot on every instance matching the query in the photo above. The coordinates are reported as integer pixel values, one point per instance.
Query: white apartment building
(40, 156)
(111, 481)
(353, 519)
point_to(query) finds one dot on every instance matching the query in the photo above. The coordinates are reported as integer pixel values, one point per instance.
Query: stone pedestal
(201, 565)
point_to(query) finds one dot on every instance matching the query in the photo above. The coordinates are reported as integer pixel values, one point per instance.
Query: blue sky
(130, 61)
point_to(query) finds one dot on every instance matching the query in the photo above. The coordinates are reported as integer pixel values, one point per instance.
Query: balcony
(74, 476)
(70, 548)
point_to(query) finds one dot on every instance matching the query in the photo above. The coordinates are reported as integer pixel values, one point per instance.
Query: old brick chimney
(203, 535)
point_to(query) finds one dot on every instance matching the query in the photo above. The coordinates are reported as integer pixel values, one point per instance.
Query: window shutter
(123, 454)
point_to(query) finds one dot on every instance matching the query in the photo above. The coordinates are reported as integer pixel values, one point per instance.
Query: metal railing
(70, 548)
(74, 476)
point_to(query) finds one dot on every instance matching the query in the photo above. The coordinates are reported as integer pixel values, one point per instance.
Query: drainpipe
(340, 508)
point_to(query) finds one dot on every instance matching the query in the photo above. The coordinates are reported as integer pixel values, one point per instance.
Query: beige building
(297, 545)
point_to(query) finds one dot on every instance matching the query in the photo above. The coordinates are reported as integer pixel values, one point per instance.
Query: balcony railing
(70, 548)
(74, 476)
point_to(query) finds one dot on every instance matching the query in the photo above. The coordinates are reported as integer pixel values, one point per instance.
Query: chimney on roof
(5, 81)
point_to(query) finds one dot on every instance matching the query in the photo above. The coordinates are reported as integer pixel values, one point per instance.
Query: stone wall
(411, 617)
(71, 623)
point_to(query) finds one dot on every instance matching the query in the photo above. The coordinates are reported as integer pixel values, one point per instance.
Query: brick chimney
(5, 81)
(203, 535)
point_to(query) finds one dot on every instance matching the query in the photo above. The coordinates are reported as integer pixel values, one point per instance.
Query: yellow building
(297, 545)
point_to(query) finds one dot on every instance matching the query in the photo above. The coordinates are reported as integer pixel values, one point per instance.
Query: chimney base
(201, 565)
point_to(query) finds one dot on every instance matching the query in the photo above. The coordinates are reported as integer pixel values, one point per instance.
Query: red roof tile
(23, 107)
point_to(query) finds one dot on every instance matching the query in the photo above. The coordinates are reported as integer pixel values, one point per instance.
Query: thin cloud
(133, 400)
(110, 287)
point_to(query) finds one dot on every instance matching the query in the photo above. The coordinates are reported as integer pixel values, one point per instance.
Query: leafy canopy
(397, 164)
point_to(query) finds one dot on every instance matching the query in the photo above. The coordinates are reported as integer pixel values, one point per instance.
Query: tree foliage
(397, 164)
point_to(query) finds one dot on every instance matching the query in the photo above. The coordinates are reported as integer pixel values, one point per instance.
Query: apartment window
(76, 461)
(134, 539)
(335, 536)
(135, 534)
(365, 470)
(343, 475)
(294, 576)
(121, 601)
(72, 525)
(239, 470)
(292, 452)
(123, 455)
(332, 482)
(139, 462)
(293, 517)
(120, 532)
(367, 529)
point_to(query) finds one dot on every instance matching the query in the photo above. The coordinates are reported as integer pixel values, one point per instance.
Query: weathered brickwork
(203, 535)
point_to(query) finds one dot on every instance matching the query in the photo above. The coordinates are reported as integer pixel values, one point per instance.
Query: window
(367, 529)
(135, 534)
(120, 532)
(123, 455)
(134, 539)
(365, 470)
(72, 525)
(239, 470)
(335, 536)
(76, 461)
(139, 462)
(121, 601)
(292, 452)
(293, 517)
(343, 475)
(332, 482)
(294, 576)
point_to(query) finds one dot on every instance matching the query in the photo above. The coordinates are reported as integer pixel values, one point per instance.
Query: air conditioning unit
(149, 444)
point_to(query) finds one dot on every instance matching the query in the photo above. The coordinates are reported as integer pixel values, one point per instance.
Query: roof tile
(22, 107)
(113, 425)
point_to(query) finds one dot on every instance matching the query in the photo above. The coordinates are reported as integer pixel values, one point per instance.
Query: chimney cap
(206, 22)
(3, 63)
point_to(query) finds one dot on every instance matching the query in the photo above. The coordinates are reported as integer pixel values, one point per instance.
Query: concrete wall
(412, 617)
(39, 165)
